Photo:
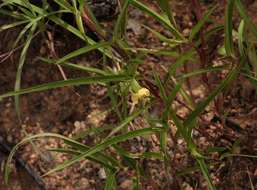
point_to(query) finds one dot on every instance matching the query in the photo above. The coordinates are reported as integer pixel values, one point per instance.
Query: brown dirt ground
(69, 111)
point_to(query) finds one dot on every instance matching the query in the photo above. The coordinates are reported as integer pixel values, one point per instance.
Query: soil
(71, 110)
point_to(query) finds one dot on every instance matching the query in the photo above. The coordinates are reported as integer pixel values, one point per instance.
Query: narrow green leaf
(200, 24)
(170, 42)
(34, 137)
(170, 99)
(165, 6)
(110, 183)
(69, 82)
(242, 11)
(240, 155)
(120, 26)
(156, 51)
(202, 71)
(22, 33)
(12, 25)
(159, 18)
(205, 172)
(104, 145)
(83, 50)
(65, 5)
(76, 32)
(20, 66)
(229, 45)
(99, 160)
(75, 66)
(124, 123)
(241, 38)
(161, 87)
(202, 105)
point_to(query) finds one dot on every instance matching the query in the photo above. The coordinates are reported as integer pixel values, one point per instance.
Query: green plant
(125, 80)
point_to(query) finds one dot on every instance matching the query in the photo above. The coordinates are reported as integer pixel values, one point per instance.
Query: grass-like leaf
(229, 45)
(43, 135)
(110, 183)
(75, 66)
(120, 26)
(125, 122)
(242, 11)
(241, 39)
(170, 42)
(69, 82)
(83, 50)
(200, 24)
(20, 66)
(12, 25)
(205, 172)
(202, 105)
(159, 18)
(165, 6)
(104, 145)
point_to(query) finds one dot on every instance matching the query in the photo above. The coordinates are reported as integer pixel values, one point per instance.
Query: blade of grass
(242, 11)
(156, 51)
(241, 39)
(163, 38)
(120, 26)
(229, 45)
(114, 100)
(110, 183)
(200, 24)
(150, 155)
(160, 86)
(75, 66)
(76, 152)
(69, 82)
(82, 148)
(202, 105)
(104, 145)
(12, 25)
(205, 172)
(78, 17)
(202, 71)
(29, 27)
(17, 16)
(159, 18)
(83, 50)
(34, 137)
(125, 122)
(20, 67)
(239, 155)
(72, 29)
(170, 100)
(165, 6)
(65, 5)
(76, 32)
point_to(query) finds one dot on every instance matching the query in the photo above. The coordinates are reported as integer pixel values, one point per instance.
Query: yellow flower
(141, 94)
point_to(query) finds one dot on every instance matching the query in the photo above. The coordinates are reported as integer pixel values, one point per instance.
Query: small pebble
(126, 184)
(102, 174)
(84, 183)
(77, 124)
(180, 141)
(9, 138)
(186, 32)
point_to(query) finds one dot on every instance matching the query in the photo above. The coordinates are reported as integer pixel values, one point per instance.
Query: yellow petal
(142, 93)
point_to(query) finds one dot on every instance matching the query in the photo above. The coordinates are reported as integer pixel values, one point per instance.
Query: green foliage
(123, 81)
